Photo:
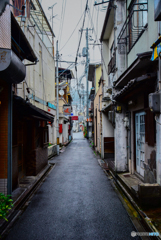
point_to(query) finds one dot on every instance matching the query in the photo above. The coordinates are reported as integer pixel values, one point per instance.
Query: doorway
(140, 142)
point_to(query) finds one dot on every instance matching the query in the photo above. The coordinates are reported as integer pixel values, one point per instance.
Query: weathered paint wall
(120, 144)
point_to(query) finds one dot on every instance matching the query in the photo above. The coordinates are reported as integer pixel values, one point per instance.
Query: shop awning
(27, 109)
(12, 70)
(141, 66)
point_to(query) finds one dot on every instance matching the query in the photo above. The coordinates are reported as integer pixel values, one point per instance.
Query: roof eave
(106, 21)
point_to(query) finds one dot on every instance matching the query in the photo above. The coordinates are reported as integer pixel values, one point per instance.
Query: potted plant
(6, 203)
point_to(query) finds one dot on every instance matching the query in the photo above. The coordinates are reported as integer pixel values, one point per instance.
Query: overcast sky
(67, 18)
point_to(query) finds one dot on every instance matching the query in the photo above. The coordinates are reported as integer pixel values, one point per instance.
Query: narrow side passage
(76, 202)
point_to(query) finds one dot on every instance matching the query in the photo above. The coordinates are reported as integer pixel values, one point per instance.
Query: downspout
(10, 108)
(128, 141)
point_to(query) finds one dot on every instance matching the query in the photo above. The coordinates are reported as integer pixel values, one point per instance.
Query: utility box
(84, 52)
(154, 102)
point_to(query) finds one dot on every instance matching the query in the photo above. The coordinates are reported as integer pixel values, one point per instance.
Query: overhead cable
(98, 42)
(86, 8)
(63, 20)
(72, 32)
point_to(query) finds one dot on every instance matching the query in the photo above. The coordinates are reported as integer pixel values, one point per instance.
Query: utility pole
(52, 24)
(57, 97)
(87, 63)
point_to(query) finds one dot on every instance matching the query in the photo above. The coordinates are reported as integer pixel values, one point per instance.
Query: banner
(75, 118)
(156, 52)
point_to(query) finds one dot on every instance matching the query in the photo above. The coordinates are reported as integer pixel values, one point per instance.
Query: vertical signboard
(67, 110)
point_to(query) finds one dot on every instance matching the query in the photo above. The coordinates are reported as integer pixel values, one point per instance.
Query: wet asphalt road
(76, 201)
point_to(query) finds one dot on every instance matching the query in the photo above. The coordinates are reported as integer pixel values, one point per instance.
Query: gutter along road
(76, 201)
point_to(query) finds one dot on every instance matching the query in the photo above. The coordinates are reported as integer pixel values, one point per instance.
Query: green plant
(85, 131)
(6, 203)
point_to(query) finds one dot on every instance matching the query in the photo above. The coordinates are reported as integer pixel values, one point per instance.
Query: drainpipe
(127, 121)
(129, 142)
(130, 135)
(159, 28)
(9, 173)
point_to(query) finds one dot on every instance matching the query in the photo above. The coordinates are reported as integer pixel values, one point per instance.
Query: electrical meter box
(154, 102)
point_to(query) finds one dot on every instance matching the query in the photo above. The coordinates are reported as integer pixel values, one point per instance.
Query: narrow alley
(76, 201)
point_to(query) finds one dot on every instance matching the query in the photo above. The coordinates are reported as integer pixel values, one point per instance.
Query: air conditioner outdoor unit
(107, 95)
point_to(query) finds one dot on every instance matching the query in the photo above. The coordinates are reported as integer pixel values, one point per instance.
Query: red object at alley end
(60, 128)
(75, 118)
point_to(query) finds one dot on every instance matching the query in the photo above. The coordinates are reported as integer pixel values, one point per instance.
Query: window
(134, 26)
(137, 20)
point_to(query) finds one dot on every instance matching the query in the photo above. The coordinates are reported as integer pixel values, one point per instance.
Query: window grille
(134, 26)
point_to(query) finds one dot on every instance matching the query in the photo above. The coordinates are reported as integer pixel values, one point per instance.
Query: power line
(86, 8)
(72, 32)
(63, 20)
(98, 42)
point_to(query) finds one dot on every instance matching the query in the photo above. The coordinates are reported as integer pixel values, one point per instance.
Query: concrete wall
(120, 144)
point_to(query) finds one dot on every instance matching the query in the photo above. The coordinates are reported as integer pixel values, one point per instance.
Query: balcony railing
(134, 26)
(112, 64)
